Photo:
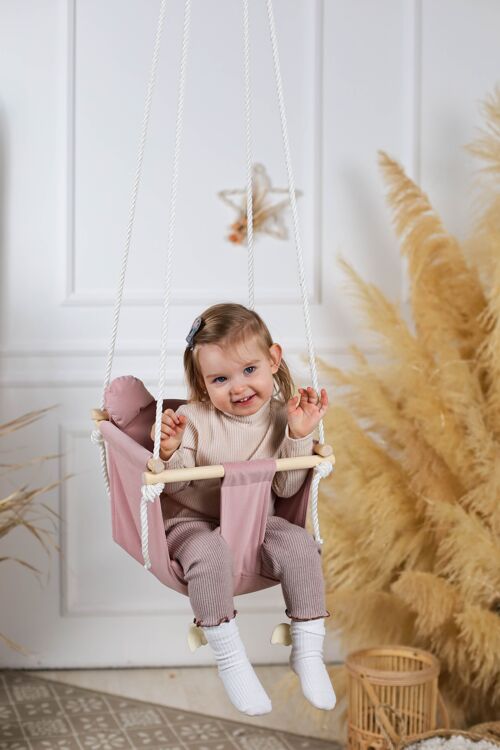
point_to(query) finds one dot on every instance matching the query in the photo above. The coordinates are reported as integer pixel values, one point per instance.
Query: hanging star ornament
(268, 216)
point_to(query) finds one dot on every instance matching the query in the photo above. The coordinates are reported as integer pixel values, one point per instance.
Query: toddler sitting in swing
(241, 408)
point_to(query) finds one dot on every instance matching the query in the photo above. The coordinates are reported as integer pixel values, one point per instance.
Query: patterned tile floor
(39, 714)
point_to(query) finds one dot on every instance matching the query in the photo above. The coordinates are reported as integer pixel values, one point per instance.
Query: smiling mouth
(245, 400)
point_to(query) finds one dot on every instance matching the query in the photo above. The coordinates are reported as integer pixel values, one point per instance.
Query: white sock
(306, 660)
(242, 684)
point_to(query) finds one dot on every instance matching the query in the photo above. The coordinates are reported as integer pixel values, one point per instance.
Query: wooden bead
(156, 465)
(322, 449)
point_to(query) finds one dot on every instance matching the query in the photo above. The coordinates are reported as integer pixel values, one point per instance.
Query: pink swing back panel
(245, 493)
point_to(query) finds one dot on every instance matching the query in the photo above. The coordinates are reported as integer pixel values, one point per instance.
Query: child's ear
(276, 353)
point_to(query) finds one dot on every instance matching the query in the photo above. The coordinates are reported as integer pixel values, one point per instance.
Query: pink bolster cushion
(124, 398)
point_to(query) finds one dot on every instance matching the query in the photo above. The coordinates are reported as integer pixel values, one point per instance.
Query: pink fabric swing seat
(245, 493)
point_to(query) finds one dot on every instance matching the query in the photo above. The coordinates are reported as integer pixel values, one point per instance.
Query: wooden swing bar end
(322, 449)
(99, 415)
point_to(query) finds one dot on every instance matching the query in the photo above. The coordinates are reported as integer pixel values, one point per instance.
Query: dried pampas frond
(23, 509)
(487, 146)
(411, 517)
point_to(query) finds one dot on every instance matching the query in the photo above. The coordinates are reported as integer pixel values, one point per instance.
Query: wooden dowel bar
(214, 472)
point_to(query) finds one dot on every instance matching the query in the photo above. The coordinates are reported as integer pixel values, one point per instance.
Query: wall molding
(73, 367)
(57, 368)
(183, 296)
(140, 348)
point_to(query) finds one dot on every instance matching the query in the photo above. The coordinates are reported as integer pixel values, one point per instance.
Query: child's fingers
(320, 398)
(323, 404)
(172, 425)
(171, 434)
(314, 397)
(172, 430)
(170, 418)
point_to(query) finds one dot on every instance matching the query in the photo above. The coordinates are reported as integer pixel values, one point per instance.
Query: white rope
(321, 471)
(298, 242)
(149, 493)
(97, 439)
(248, 138)
(130, 225)
(171, 228)
(135, 191)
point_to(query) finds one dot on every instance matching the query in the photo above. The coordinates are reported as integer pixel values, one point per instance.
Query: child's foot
(306, 660)
(237, 674)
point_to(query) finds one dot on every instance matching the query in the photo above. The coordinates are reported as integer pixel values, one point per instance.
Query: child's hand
(305, 411)
(172, 430)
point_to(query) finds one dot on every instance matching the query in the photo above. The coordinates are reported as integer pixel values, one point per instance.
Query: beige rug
(39, 714)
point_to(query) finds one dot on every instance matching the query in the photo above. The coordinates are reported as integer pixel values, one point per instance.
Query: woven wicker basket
(393, 694)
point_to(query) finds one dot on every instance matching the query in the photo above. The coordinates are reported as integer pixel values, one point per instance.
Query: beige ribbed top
(212, 436)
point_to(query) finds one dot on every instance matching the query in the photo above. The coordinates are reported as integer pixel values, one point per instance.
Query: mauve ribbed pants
(289, 554)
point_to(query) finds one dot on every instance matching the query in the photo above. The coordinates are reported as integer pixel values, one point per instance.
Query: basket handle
(382, 719)
(443, 710)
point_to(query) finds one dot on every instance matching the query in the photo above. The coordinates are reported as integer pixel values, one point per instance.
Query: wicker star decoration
(268, 216)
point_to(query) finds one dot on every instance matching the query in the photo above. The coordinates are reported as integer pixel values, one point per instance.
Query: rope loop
(324, 469)
(96, 437)
(321, 471)
(149, 493)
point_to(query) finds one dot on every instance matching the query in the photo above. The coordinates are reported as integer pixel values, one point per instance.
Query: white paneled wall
(403, 76)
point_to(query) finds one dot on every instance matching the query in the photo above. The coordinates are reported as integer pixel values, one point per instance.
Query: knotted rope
(149, 493)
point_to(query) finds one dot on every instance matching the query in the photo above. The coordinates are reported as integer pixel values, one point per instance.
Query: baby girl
(241, 407)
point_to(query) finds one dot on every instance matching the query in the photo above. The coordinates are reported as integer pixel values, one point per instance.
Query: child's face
(231, 374)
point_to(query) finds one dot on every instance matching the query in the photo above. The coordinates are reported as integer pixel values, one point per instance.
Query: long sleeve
(183, 458)
(287, 483)
(185, 455)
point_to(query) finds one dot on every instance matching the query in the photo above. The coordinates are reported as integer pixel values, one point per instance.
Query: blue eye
(222, 378)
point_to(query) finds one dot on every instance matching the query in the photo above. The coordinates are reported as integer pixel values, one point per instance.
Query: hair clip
(197, 323)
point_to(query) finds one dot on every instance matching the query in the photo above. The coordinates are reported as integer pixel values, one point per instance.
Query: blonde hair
(230, 324)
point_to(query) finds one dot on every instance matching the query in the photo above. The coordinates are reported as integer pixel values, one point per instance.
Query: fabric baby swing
(134, 474)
